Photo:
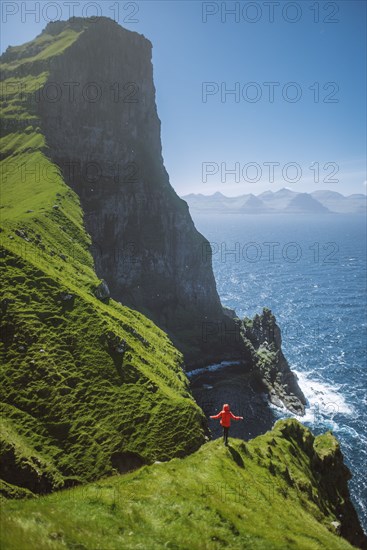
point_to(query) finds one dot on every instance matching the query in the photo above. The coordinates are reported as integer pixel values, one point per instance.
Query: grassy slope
(69, 399)
(258, 495)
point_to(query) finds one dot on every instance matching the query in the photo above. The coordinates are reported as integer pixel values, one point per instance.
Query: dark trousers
(225, 435)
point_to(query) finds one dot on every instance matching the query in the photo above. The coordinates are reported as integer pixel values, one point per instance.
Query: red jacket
(225, 416)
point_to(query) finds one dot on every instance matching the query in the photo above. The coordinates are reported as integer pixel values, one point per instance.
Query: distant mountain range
(283, 201)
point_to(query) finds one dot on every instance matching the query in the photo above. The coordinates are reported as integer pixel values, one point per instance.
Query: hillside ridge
(284, 489)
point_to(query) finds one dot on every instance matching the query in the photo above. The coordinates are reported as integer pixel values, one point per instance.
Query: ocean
(311, 272)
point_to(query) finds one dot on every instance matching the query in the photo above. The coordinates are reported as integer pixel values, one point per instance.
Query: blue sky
(311, 54)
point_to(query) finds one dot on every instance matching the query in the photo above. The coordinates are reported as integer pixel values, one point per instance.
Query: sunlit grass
(215, 498)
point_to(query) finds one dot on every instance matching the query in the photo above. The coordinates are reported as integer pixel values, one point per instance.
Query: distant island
(284, 201)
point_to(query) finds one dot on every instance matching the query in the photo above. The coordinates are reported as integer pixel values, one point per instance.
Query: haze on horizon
(249, 100)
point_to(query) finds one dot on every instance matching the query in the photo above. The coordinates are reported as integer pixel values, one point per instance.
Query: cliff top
(60, 34)
(81, 23)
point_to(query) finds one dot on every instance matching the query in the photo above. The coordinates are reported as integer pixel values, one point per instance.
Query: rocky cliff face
(95, 105)
(330, 475)
(273, 369)
(100, 120)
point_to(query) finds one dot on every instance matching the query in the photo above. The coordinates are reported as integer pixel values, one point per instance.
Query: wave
(211, 368)
(324, 403)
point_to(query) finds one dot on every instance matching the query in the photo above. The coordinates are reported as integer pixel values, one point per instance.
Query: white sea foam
(211, 368)
(328, 398)
(324, 402)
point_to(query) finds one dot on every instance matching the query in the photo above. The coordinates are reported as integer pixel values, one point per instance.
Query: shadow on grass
(236, 456)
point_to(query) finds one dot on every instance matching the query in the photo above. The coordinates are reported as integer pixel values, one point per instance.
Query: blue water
(314, 281)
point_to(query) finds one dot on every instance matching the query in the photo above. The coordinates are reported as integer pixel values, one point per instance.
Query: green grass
(326, 445)
(47, 45)
(22, 142)
(68, 394)
(215, 498)
(18, 97)
(72, 405)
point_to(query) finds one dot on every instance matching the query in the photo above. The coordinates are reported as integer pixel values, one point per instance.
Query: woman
(225, 416)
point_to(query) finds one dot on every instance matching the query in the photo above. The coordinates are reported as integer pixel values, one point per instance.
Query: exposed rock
(144, 242)
(274, 371)
(102, 292)
(336, 525)
(230, 312)
(115, 343)
(22, 233)
(65, 297)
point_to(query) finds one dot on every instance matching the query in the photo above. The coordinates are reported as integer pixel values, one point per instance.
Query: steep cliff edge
(83, 94)
(103, 131)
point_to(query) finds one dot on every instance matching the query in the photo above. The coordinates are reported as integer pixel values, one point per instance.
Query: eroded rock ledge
(272, 368)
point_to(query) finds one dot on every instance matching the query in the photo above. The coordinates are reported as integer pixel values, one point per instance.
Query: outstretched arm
(217, 415)
(236, 417)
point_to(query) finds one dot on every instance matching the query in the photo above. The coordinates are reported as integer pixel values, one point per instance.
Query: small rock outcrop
(102, 292)
(273, 369)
